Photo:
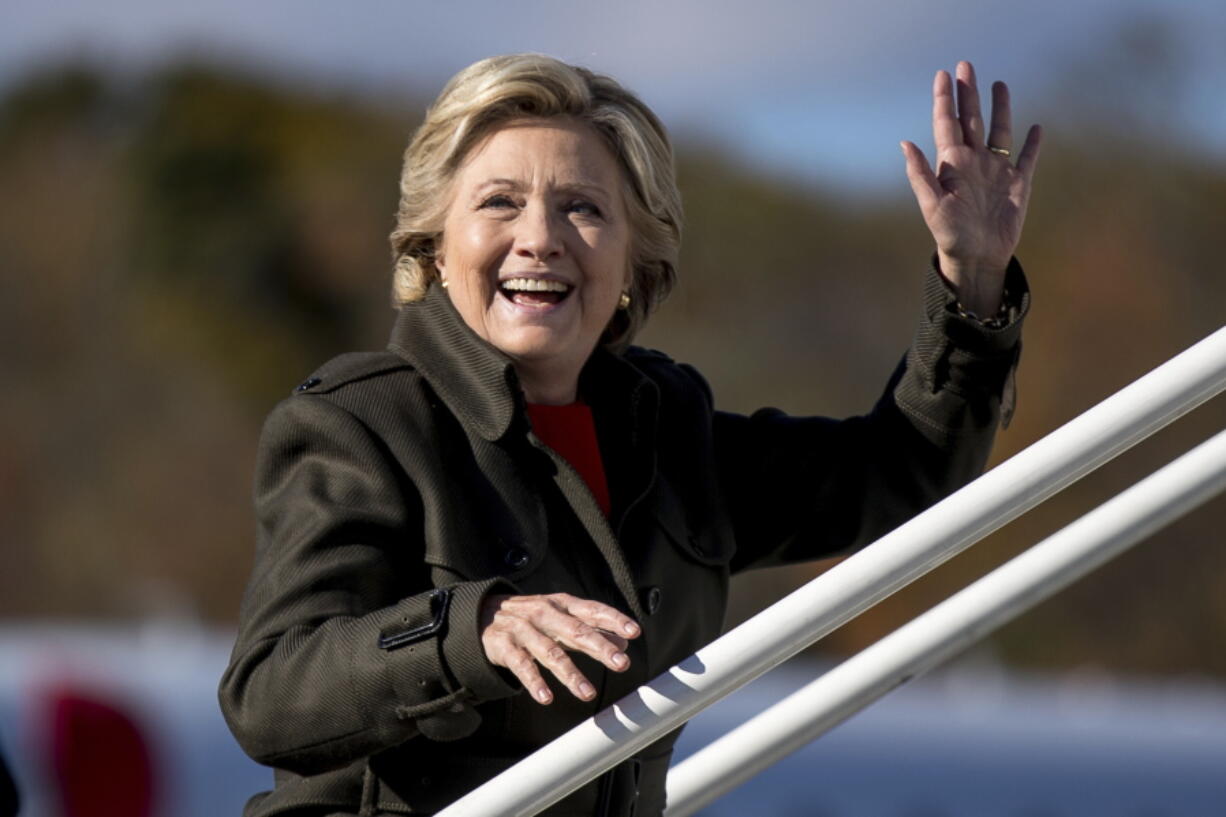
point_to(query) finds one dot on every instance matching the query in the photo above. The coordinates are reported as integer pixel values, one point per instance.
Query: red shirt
(571, 431)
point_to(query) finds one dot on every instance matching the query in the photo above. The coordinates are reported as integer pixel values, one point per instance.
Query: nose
(538, 234)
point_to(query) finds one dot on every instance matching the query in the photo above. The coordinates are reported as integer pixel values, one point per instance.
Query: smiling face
(536, 246)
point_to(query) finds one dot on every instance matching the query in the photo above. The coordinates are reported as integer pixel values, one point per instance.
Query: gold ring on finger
(1000, 151)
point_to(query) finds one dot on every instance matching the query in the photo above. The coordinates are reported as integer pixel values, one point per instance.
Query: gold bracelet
(997, 321)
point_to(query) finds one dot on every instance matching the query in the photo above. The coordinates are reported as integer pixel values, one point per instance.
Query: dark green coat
(395, 489)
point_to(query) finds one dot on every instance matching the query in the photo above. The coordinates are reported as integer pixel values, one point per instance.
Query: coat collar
(478, 383)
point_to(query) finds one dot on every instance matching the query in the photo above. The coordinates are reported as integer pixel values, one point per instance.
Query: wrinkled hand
(518, 632)
(975, 203)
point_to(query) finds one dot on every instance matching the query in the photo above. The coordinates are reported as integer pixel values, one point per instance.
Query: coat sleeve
(344, 647)
(801, 488)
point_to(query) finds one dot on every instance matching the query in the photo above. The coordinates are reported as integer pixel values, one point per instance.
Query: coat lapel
(475, 380)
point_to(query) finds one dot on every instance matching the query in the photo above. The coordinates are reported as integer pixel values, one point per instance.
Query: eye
(583, 207)
(497, 201)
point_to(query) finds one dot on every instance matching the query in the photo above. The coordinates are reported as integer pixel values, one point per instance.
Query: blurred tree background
(179, 248)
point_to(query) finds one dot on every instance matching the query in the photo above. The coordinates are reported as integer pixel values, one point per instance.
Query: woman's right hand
(518, 632)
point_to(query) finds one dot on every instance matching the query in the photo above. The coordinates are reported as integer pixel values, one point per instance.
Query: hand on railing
(518, 632)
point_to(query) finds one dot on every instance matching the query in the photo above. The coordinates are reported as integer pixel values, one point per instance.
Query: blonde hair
(495, 91)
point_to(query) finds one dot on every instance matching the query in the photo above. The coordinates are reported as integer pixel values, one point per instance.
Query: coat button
(651, 600)
(309, 383)
(516, 558)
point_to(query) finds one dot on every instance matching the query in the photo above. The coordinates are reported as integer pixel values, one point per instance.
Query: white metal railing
(949, 628)
(855, 584)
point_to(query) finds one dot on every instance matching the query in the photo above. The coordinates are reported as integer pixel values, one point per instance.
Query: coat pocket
(413, 781)
(708, 542)
(484, 536)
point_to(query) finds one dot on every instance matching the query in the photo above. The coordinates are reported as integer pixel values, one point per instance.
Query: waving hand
(975, 202)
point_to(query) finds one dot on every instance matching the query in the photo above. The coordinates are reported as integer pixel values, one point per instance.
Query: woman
(511, 518)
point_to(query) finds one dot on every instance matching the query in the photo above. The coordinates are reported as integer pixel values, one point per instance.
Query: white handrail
(853, 585)
(949, 628)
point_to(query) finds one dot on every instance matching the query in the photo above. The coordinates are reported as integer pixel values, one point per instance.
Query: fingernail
(631, 628)
(620, 660)
(542, 695)
(586, 690)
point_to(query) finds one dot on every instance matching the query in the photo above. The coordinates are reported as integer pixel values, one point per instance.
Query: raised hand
(975, 202)
(520, 632)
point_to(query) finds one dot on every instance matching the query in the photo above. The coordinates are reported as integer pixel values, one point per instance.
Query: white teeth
(534, 285)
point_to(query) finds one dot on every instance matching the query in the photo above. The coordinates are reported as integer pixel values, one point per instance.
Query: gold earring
(624, 301)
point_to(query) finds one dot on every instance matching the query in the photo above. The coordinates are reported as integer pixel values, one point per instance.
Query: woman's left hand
(975, 203)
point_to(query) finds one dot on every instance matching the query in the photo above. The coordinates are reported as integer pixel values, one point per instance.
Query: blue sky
(810, 90)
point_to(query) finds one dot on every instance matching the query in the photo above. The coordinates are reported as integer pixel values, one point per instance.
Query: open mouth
(534, 291)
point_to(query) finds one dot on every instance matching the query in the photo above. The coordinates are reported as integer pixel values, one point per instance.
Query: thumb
(924, 183)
